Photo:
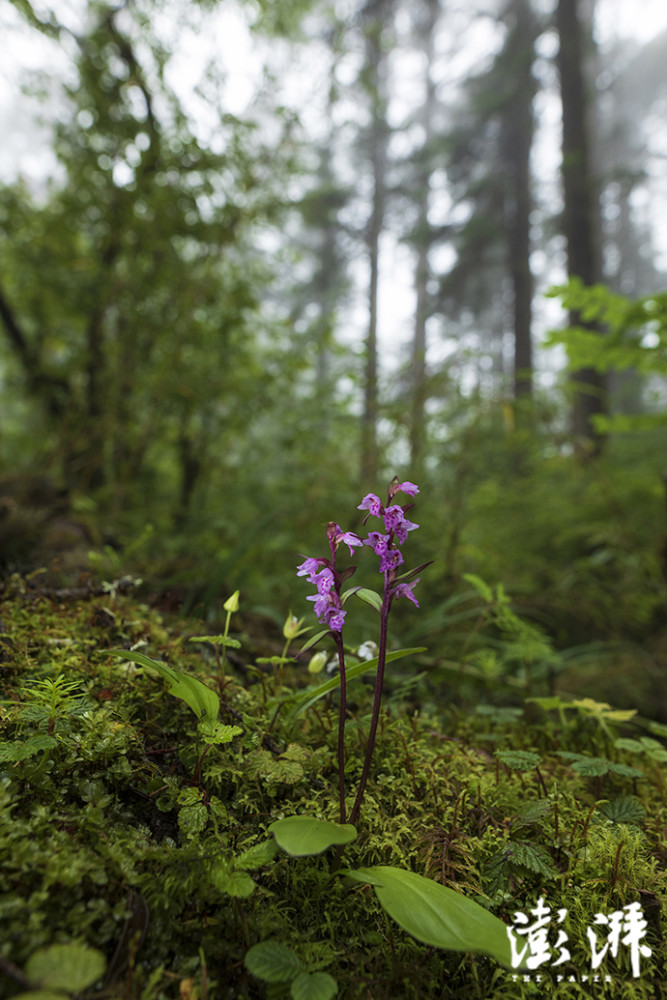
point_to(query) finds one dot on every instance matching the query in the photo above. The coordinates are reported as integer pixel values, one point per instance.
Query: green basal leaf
(313, 986)
(313, 640)
(436, 915)
(70, 967)
(203, 702)
(368, 596)
(300, 703)
(273, 962)
(302, 836)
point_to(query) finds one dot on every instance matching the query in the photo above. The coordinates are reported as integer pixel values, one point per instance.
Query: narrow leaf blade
(300, 703)
(436, 915)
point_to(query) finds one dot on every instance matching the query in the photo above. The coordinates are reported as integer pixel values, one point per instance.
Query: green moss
(106, 841)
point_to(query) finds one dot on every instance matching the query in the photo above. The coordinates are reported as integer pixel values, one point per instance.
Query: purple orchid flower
(372, 504)
(405, 590)
(396, 521)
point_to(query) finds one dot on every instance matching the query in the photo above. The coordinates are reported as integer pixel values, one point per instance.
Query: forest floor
(136, 861)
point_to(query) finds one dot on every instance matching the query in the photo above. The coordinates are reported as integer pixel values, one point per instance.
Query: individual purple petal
(405, 590)
(324, 581)
(372, 504)
(322, 604)
(336, 535)
(408, 488)
(309, 568)
(350, 540)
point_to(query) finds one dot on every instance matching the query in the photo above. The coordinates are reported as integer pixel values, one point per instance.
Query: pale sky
(226, 39)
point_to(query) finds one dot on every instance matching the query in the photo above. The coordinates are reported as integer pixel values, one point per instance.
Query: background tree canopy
(193, 306)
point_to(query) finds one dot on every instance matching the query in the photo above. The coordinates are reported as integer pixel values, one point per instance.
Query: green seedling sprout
(231, 605)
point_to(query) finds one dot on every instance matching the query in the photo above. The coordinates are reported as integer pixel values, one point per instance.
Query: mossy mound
(123, 835)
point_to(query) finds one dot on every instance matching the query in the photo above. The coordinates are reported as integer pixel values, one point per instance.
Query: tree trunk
(581, 210)
(518, 140)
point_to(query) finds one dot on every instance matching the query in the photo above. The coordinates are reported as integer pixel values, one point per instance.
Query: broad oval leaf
(302, 836)
(436, 915)
(273, 962)
(369, 596)
(313, 986)
(70, 967)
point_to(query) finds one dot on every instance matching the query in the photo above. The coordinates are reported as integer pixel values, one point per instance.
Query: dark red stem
(342, 711)
(377, 699)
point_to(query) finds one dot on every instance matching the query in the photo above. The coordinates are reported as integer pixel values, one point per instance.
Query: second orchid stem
(377, 700)
(342, 711)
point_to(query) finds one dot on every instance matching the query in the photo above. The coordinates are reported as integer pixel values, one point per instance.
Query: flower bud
(317, 662)
(232, 603)
(292, 626)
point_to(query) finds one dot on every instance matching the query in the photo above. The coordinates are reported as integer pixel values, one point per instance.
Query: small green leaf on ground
(70, 967)
(273, 962)
(626, 809)
(303, 835)
(313, 986)
(519, 760)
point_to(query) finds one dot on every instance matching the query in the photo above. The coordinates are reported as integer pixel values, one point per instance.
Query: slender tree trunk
(519, 129)
(369, 445)
(581, 209)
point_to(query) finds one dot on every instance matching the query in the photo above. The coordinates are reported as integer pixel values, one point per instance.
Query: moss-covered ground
(119, 831)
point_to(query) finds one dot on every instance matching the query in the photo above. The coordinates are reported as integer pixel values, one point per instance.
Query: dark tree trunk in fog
(581, 206)
(518, 140)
